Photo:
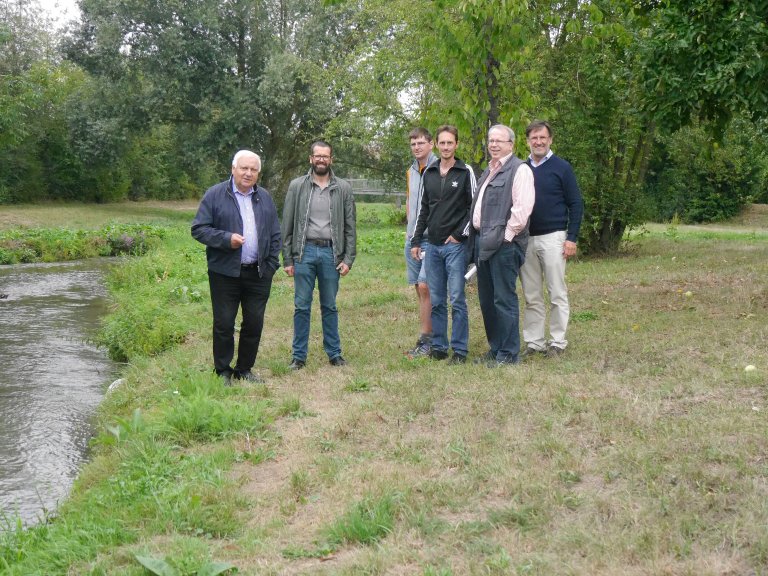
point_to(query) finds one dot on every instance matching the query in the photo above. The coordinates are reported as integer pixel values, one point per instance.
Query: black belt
(253, 266)
(321, 243)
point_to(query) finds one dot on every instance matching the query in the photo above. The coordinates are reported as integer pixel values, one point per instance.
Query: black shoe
(296, 364)
(338, 361)
(485, 358)
(226, 378)
(501, 363)
(457, 359)
(249, 376)
(438, 354)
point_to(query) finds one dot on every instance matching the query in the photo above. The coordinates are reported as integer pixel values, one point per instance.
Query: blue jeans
(496, 288)
(447, 264)
(317, 263)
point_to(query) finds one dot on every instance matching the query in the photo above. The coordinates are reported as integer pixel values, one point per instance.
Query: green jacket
(296, 214)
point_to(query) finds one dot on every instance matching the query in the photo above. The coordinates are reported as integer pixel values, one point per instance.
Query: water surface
(51, 379)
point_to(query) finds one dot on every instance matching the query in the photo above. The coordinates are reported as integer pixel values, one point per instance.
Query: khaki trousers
(545, 266)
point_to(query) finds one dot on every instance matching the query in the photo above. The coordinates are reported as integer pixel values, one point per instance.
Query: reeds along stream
(51, 380)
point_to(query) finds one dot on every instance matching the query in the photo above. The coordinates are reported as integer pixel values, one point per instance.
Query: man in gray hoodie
(421, 148)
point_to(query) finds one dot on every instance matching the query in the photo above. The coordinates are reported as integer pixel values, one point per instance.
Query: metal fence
(366, 187)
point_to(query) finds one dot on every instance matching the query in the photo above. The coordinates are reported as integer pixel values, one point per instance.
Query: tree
(476, 55)
(588, 67)
(222, 75)
(594, 98)
(707, 59)
(35, 157)
(24, 36)
(480, 62)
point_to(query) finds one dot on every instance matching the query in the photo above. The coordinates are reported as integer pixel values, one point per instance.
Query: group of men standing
(237, 221)
(521, 218)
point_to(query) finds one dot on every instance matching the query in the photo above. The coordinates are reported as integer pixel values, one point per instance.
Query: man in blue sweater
(554, 231)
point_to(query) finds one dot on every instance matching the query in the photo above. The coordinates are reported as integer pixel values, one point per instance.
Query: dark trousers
(228, 294)
(496, 288)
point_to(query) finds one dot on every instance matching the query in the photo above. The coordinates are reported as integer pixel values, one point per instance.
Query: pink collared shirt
(523, 198)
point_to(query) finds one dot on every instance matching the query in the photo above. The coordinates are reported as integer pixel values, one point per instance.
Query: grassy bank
(642, 451)
(60, 232)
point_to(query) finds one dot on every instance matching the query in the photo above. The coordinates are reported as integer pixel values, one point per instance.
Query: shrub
(397, 216)
(701, 180)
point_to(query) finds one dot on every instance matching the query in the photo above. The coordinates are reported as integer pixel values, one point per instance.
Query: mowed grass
(89, 216)
(643, 450)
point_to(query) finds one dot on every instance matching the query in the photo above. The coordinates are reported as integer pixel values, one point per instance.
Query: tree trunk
(491, 79)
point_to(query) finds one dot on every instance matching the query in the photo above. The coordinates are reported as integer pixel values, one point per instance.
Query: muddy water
(51, 380)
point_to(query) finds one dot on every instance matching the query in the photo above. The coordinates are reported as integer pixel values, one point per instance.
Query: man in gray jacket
(319, 245)
(416, 270)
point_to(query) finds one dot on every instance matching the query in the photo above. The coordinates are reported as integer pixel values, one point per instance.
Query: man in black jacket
(237, 221)
(448, 189)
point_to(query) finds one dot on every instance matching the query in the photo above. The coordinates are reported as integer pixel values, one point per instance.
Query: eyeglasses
(417, 144)
(323, 157)
(495, 142)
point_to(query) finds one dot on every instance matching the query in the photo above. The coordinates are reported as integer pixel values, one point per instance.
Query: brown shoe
(554, 352)
(529, 353)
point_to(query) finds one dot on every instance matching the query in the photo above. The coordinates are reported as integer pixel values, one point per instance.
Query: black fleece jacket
(445, 203)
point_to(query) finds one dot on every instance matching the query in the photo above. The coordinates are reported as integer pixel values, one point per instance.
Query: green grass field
(642, 451)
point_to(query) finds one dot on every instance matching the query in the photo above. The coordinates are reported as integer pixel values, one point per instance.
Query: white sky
(60, 11)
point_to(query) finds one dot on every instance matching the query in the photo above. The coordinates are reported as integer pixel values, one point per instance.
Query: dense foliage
(707, 59)
(697, 179)
(142, 100)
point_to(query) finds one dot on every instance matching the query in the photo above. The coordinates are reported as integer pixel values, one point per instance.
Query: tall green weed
(158, 300)
(57, 245)
(201, 418)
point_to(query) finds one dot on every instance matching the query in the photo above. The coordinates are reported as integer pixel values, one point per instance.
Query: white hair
(243, 153)
(507, 129)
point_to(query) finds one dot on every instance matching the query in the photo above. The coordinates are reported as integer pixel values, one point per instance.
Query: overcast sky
(60, 11)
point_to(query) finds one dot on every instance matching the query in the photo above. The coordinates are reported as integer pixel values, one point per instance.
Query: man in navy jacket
(554, 231)
(237, 221)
